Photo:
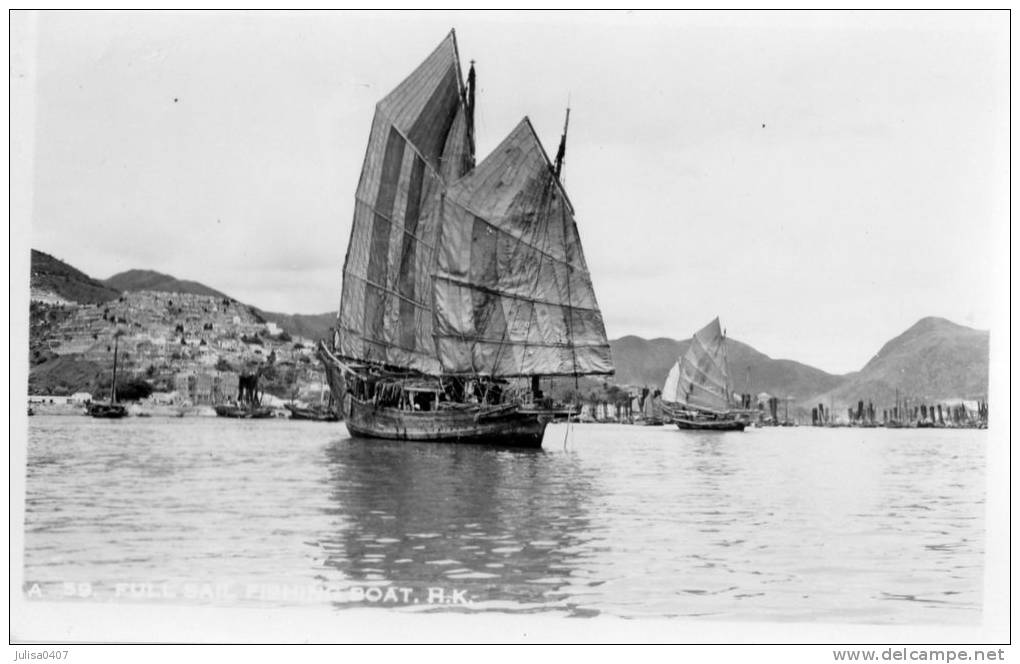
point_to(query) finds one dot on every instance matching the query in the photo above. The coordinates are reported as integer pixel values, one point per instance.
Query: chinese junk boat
(697, 392)
(461, 282)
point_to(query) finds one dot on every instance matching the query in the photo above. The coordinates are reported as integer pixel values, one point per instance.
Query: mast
(470, 112)
(727, 391)
(562, 151)
(113, 388)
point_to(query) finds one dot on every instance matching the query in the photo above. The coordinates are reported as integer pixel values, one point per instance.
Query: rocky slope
(53, 277)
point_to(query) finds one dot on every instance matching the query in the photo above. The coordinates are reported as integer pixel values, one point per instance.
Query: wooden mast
(113, 388)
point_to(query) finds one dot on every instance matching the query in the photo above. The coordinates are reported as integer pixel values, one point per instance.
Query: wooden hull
(478, 425)
(311, 414)
(709, 425)
(109, 411)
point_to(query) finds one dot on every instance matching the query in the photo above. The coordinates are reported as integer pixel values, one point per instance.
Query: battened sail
(513, 295)
(700, 379)
(420, 141)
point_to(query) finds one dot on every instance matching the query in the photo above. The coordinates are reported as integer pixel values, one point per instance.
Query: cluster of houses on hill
(198, 343)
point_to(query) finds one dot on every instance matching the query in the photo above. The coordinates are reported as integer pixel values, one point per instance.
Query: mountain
(646, 362)
(138, 280)
(53, 276)
(935, 359)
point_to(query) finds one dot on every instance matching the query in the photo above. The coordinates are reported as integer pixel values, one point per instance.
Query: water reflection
(832, 525)
(506, 527)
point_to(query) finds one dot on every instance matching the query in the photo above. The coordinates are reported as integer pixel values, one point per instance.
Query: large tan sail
(513, 294)
(418, 143)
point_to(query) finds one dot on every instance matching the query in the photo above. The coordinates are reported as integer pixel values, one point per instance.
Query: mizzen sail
(420, 141)
(513, 294)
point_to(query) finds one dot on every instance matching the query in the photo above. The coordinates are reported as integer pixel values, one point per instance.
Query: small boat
(313, 413)
(697, 394)
(110, 410)
(248, 405)
(321, 412)
(699, 422)
(107, 410)
(243, 411)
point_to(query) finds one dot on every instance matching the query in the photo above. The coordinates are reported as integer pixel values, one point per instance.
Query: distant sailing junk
(110, 409)
(697, 394)
(460, 282)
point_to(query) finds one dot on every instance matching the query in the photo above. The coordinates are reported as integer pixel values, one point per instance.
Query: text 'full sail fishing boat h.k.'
(463, 284)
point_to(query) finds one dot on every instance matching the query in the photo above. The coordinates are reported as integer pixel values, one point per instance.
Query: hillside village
(193, 346)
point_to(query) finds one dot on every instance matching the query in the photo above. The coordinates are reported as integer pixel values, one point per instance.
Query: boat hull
(481, 425)
(709, 425)
(311, 414)
(107, 411)
(241, 413)
(508, 425)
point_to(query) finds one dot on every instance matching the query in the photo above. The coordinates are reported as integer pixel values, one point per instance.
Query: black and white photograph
(452, 327)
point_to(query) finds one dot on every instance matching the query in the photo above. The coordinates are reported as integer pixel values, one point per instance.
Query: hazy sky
(820, 181)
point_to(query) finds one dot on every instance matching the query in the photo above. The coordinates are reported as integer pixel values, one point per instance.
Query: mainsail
(420, 140)
(700, 379)
(451, 270)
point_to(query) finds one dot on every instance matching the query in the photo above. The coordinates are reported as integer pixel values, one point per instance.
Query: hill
(139, 280)
(646, 362)
(66, 375)
(935, 359)
(53, 276)
(310, 326)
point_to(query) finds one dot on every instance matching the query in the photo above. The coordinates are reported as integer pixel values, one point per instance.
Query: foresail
(513, 295)
(671, 387)
(419, 141)
(703, 382)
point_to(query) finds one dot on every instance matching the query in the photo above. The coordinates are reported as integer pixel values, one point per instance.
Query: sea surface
(791, 524)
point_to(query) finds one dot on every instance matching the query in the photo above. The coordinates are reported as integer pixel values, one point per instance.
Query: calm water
(802, 524)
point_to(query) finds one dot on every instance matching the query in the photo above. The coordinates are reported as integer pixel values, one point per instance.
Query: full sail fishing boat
(461, 282)
(697, 392)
